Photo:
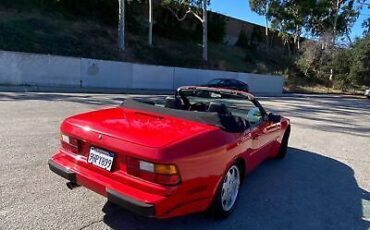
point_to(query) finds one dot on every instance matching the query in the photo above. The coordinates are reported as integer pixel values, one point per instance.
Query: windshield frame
(242, 94)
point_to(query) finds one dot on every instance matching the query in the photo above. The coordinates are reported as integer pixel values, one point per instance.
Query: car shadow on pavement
(304, 191)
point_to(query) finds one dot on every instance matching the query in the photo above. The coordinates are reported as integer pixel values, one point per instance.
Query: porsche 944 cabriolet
(187, 153)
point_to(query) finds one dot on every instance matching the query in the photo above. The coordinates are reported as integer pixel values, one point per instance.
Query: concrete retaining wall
(55, 71)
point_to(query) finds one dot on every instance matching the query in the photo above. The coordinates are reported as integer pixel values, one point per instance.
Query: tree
(334, 16)
(360, 58)
(310, 55)
(197, 8)
(261, 7)
(366, 26)
(298, 12)
(121, 25)
(281, 21)
(366, 23)
(332, 19)
(341, 66)
(290, 18)
(287, 17)
(345, 16)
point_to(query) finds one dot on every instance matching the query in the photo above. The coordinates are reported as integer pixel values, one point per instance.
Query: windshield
(237, 104)
(232, 111)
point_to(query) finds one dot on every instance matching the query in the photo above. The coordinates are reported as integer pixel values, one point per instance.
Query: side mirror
(274, 118)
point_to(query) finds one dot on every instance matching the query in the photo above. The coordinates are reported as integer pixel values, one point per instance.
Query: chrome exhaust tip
(72, 185)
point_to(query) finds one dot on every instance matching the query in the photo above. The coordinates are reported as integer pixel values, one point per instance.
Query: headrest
(173, 102)
(218, 108)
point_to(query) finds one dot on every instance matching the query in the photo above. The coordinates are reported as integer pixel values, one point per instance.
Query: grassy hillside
(49, 31)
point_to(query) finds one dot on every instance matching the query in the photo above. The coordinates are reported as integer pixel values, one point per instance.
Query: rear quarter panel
(202, 161)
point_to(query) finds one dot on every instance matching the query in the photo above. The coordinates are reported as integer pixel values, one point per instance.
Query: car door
(253, 144)
(257, 140)
(272, 134)
(268, 131)
(260, 142)
(261, 132)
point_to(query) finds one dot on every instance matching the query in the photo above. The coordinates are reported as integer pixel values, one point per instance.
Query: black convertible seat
(173, 103)
(218, 108)
(233, 124)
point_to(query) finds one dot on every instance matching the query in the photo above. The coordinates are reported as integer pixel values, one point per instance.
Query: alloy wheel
(230, 188)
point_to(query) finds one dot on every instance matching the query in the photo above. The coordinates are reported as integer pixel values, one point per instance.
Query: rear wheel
(284, 144)
(226, 196)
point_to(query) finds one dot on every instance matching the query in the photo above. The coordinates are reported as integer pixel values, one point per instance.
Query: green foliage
(290, 17)
(181, 8)
(319, 18)
(360, 59)
(178, 4)
(341, 66)
(366, 25)
(259, 6)
(350, 65)
(308, 60)
(324, 13)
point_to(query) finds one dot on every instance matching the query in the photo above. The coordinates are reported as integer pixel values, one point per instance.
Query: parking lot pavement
(323, 183)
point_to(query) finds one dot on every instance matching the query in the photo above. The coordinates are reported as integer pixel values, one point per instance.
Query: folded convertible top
(225, 122)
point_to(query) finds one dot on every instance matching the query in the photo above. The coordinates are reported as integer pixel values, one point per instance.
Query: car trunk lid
(143, 128)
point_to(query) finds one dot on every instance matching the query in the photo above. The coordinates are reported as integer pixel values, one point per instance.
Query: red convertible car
(186, 154)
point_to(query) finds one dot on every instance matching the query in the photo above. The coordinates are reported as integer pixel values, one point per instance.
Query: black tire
(217, 208)
(284, 144)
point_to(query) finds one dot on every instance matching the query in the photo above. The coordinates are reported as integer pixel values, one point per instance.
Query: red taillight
(69, 143)
(164, 174)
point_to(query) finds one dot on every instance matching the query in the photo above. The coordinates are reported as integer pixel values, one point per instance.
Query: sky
(240, 9)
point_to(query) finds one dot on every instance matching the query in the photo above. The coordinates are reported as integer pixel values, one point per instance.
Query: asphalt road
(324, 182)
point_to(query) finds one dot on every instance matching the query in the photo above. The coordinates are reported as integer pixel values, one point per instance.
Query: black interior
(218, 108)
(173, 103)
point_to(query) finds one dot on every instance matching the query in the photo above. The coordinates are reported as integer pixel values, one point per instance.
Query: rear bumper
(61, 171)
(132, 205)
(113, 196)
